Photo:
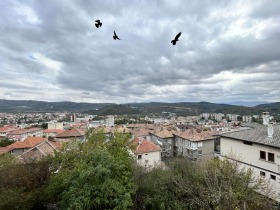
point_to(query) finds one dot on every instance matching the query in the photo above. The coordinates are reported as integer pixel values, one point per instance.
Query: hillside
(181, 109)
(43, 106)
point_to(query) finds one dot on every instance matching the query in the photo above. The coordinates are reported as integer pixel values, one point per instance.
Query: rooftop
(145, 146)
(196, 135)
(256, 133)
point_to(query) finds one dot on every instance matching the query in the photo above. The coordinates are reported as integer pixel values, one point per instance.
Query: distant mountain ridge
(180, 108)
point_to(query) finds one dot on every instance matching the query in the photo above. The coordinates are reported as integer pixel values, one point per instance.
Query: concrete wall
(249, 157)
(150, 159)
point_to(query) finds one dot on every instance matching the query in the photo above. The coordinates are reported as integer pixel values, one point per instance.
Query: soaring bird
(115, 36)
(98, 23)
(176, 39)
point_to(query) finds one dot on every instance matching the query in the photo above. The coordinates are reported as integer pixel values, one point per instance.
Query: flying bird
(98, 23)
(176, 39)
(115, 37)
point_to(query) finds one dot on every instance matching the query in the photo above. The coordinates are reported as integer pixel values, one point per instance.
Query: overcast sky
(52, 51)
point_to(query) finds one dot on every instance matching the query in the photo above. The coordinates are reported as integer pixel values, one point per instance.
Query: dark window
(262, 173)
(272, 177)
(139, 157)
(270, 157)
(263, 155)
(247, 143)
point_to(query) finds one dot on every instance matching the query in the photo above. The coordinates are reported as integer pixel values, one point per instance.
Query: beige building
(163, 137)
(257, 148)
(194, 144)
(147, 153)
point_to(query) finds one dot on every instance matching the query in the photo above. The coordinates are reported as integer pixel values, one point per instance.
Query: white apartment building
(55, 125)
(232, 117)
(247, 118)
(110, 121)
(205, 115)
(258, 148)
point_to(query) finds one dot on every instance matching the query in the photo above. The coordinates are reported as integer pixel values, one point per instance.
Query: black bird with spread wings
(176, 39)
(115, 37)
(98, 23)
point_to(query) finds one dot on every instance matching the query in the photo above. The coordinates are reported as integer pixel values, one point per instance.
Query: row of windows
(269, 157)
(273, 177)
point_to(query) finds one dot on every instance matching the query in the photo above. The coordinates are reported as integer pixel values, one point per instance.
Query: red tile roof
(72, 132)
(196, 135)
(53, 131)
(145, 146)
(27, 143)
(8, 128)
(4, 150)
(22, 131)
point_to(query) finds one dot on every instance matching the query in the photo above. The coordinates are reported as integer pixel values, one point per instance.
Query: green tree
(96, 174)
(21, 185)
(5, 142)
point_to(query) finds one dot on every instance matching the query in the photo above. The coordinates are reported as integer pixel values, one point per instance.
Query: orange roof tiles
(145, 146)
(195, 135)
(163, 133)
(72, 132)
(4, 150)
(8, 128)
(53, 131)
(22, 131)
(27, 143)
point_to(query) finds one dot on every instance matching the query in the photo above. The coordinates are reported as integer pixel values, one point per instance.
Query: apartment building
(195, 144)
(257, 147)
(21, 134)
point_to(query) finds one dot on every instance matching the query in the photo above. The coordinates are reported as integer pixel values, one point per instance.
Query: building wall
(167, 145)
(149, 160)
(249, 156)
(195, 150)
(208, 149)
(55, 126)
(17, 152)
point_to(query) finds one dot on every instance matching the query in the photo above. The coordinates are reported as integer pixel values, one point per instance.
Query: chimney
(270, 130)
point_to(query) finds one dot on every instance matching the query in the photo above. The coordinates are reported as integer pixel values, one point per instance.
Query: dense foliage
(101, 174)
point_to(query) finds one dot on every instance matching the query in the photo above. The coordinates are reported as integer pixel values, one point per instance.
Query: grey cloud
(143, 65)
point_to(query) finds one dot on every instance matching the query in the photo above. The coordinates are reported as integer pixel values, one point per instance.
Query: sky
(51, 50)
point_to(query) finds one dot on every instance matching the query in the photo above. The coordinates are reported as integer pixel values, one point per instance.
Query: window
(263, 155)
(262, 173)
(270, 157)
(272, 177)
(139, 157)
(247, 143)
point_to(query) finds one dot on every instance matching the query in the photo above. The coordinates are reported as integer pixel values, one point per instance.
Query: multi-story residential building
(217, 116)
(195, 144)
(22, 134)
(233, 117)
(147, 153)
(4, 131)
(110, 122)
(257, 147)
(247, 118)
(205, 115)
(164, 138)
(55, 125)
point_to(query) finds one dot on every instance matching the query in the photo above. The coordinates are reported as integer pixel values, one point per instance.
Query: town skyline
(227, 52)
